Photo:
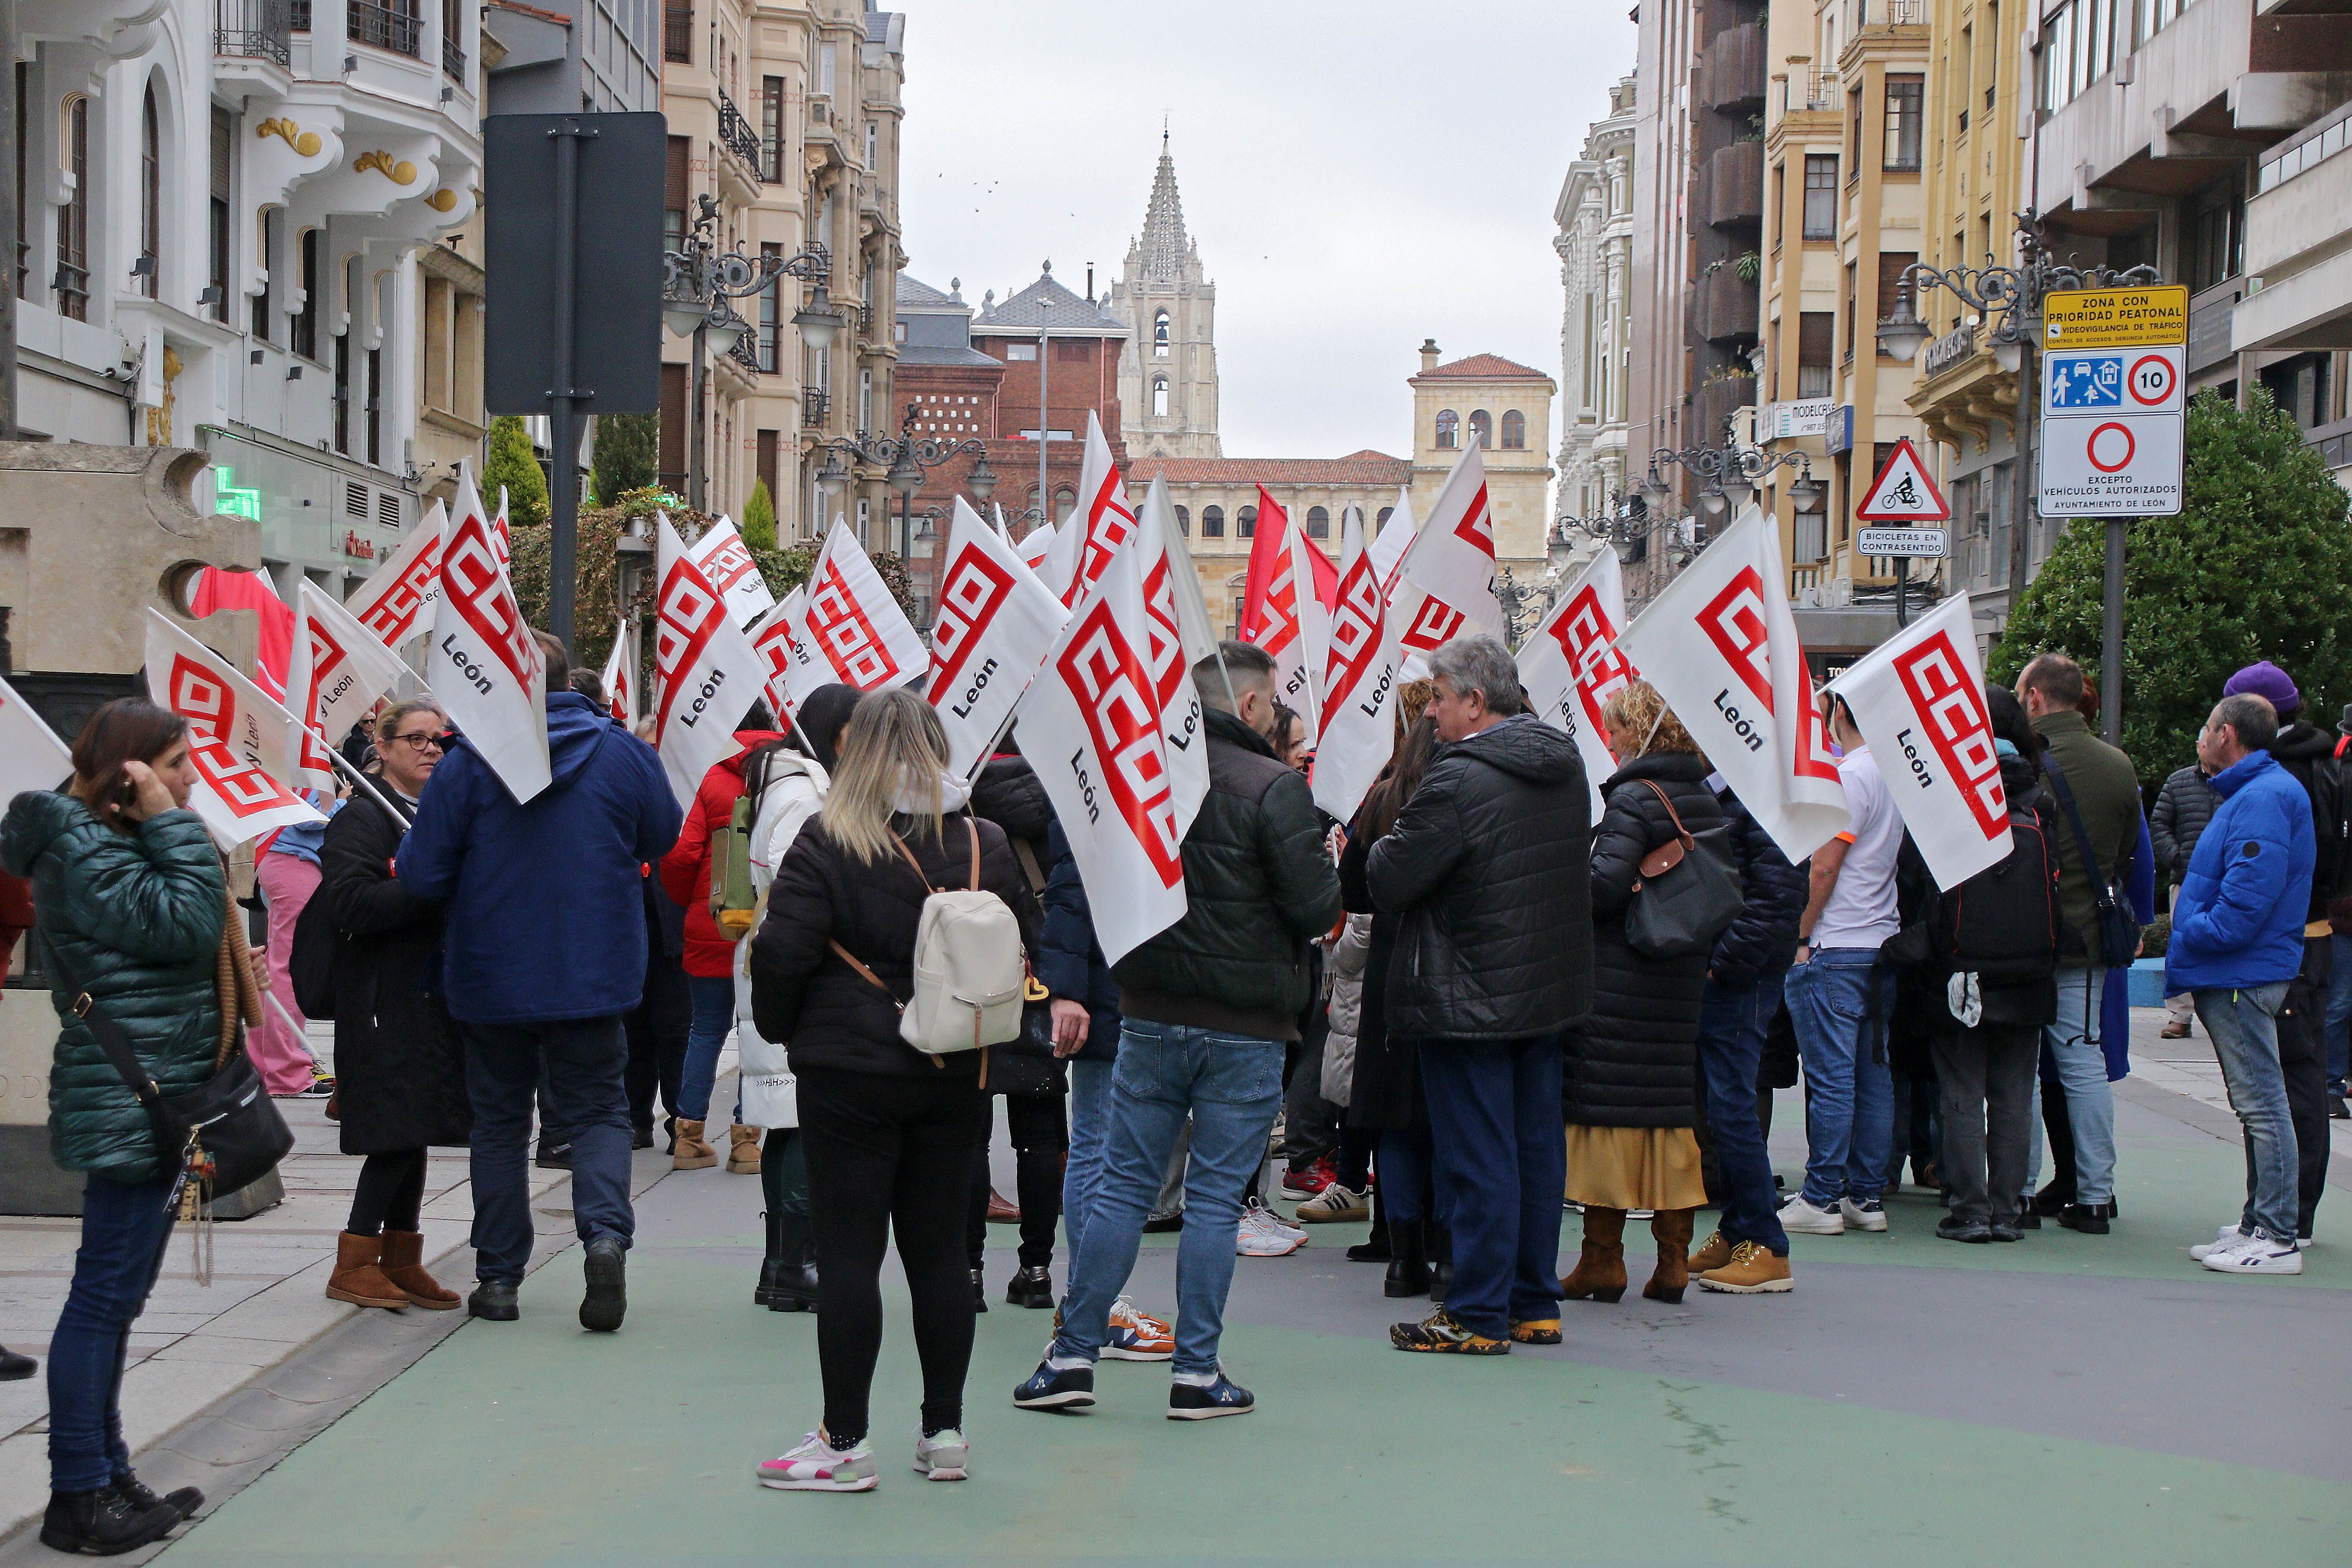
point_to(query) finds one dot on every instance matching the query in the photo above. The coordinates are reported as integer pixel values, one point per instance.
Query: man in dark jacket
(1748, 1252)
(2308, 753)
(1206, 1007)
(545, 954)
(2183, 807)
(1488, 869)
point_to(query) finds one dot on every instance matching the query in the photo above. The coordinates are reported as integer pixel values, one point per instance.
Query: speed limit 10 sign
(2113, 366)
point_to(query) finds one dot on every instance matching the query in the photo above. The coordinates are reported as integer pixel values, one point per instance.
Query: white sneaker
(1273, 1217)
(816, 1466)
(1334, 1202)
(1802, 1217)
(2229, 1235)
(1258, 1236)
(946, 1458)
(2253, 1254)
(1868, 1215)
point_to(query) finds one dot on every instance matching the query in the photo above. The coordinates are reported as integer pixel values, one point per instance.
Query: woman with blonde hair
(1631, 1086)
(890, 1133)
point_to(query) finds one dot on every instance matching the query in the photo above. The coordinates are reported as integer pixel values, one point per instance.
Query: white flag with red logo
(1359, 681)
(1287, 620)
(483, 664)
(726, 559)
(1396, 536)
(1102, 523)
(621, 678)
(848, 628)
(1918, 699)
(772, 639)
(31, 755)
(241, 743)
(501, 536)
(1720, 645)
(1445, 581)
(339, 670)
(1033, 549)
(1570, 663)
(1177, 635)
(994, 626)
(706, 675)
(397, 601)
(1091, 726)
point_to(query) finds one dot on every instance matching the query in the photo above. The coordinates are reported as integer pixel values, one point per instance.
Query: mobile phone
(126, 790)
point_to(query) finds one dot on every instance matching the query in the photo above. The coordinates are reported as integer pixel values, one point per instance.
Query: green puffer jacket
(137, 916)
(1259, 887)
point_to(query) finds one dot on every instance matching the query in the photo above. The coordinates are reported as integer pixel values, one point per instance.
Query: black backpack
(2002, 923)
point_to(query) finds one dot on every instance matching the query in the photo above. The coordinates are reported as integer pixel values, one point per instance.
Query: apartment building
(1594, 216)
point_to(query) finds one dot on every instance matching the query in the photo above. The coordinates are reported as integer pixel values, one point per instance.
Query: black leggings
(1040, 1130)
(389, 1193)
(891, 1158)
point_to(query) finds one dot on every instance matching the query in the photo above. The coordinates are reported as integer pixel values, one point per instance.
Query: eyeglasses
(432, 737)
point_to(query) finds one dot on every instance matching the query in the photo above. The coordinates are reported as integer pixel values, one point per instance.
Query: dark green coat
(2107, 791)
(137, 918)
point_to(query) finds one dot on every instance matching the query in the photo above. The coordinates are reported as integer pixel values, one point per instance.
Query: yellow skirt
(1635, 1167)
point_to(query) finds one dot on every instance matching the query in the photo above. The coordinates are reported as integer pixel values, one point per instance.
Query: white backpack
(969, 967)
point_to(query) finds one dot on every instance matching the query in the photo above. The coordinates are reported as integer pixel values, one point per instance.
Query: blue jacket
(1069, 961)
(546, 900)
(2239, 918)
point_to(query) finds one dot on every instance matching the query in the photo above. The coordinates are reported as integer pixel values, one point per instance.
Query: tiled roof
(1016, 316)
(1482, 367)
(1364, 468)
(927, 354)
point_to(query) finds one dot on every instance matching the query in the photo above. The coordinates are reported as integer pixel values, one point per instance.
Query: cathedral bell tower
(1168, 380)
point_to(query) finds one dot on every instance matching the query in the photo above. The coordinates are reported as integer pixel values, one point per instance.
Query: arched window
(1448, 424)
(150, 194)
(1212, 523)
(1183, 520)
(1318, 524)
(1066, 501)
(1245, 523)
(1160, 335)
(1160, 397)
(1482, 428)
(1386, 512)
(1515, 431)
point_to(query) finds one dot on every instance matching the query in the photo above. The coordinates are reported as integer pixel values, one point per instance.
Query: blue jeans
(2244, 1026)
(714, 1015)
(1082, 1177)
(1732, 1023)
(1838, 1003)
(587, 1059)
(125, 1230)
(1501, 1156)
(1404, 1174)
(2071, 1041)
(1231, 1086)
(2339, 1013)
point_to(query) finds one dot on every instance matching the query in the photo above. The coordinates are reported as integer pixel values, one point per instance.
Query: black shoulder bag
(1682, 916)
(2118, 933)
(222, 1135)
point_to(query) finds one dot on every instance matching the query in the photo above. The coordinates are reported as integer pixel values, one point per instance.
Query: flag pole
(358, 778)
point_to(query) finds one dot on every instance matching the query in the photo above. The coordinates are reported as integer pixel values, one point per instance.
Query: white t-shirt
(1861, 908)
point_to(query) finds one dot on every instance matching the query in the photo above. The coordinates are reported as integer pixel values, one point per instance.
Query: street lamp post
(699, 288)
(904, 457)
(2017, 293)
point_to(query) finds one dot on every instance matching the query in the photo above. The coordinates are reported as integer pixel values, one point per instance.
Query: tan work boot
(693, 1153)
(1752, 1271)
(404, 1264)
(1713, 1253)
(743, 1150)
(358, 1276)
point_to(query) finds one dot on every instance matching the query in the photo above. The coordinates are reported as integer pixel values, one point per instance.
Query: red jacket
(686, 869)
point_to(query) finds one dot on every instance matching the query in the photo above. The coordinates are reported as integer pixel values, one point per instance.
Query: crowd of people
(1462, 1012)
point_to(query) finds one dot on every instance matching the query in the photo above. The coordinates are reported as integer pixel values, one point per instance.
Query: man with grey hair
(2237, 942)
(1487, 872)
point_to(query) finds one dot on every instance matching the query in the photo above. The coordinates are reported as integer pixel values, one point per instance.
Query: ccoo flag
(339, 670)
(994, 626)
(724, 558)
(1720, 645)
(1570, 663)
(1359, 681)
(706, 675)
(848, 628)
(1919, 697)
(1102, 523)
(621, 678)
(1175, 625)
(1282, 614)
(397, 601)
(772, 639)
(241, 743)
(484, 663)
(1445, 579)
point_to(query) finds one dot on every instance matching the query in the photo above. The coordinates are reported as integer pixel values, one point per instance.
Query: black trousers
(2303, 1058)
(658, 1030)
(1311, 1123)
(890, 1157)
(1040, 1129)
(389, 1193)
(1985, 1076)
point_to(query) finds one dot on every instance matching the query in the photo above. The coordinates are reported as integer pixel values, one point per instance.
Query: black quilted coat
(800, 990)
(400, 1071)
(1763, 936)
(1635, 1061)
(1488, 873)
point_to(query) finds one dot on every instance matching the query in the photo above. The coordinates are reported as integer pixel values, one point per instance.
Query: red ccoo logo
(1102, 670)
(975, 588)
(1733, 621)
(1952, 711)
(839, 626)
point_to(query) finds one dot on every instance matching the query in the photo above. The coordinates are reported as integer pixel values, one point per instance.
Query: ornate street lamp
(904, 457)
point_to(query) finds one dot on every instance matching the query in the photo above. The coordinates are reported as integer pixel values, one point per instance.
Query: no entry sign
(2112, 402)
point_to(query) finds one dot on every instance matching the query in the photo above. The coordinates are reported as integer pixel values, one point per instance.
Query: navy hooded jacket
(2239, 917)
(546, 899)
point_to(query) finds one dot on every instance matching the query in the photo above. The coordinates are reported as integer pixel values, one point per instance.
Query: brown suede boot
(1601, 1268)
(693, 1153)
(359, 1277)
(743, 1150)
(1673, 1229)
(404, 1264)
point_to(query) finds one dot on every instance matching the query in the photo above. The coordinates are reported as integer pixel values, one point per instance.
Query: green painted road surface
(2066, 1400)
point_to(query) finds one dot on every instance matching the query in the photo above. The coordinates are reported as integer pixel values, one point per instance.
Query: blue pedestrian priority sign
(2081, 383)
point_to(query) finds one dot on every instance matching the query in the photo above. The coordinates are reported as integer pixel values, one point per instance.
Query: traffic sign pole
(2111, 638)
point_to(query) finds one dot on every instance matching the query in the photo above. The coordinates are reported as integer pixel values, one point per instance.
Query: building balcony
(1732, 76)
(1714, 402)
(254, 30)
(1724, 307)
(815, 401)
(1736, 185)
(824, 143)
(736, 135)
(394, 25)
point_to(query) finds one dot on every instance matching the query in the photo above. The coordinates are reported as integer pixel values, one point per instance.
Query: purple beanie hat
(2268, 681)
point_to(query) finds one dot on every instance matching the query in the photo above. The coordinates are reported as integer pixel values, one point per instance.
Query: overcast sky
(1357, 176)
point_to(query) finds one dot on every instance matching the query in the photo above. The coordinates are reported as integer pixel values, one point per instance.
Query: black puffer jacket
(1764, 936)
(1007, 794)
(2183, 807)
(1635, 1061)
(399, 1066)
(1258, 888)
(1487, 870)
(800, 990)
(2309, 753)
